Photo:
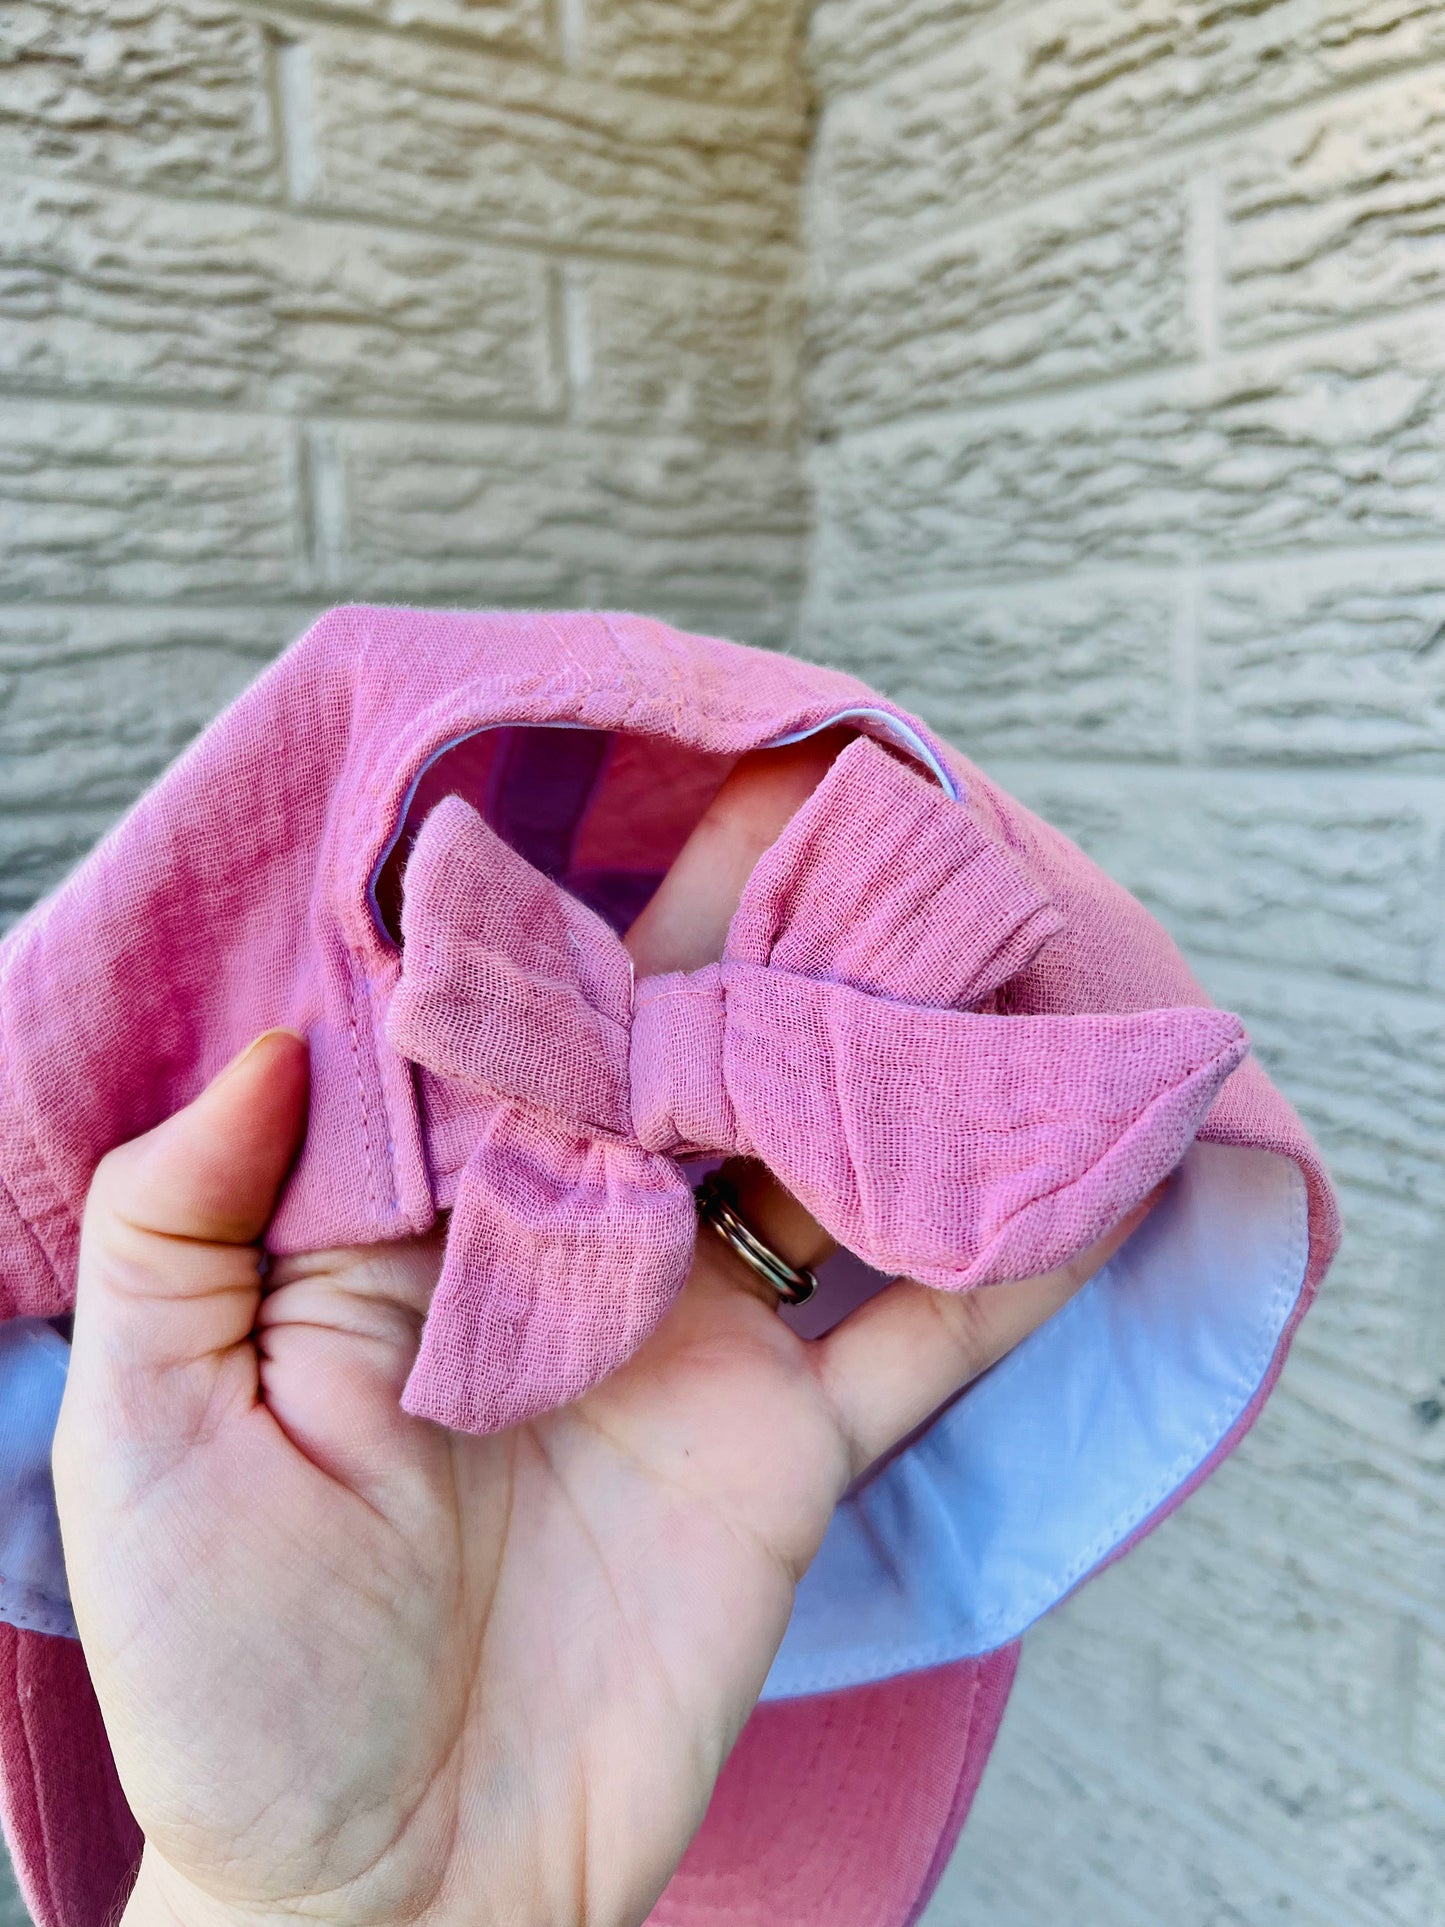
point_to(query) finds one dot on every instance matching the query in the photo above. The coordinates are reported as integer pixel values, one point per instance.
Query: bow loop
(507, 982)
(883, 882)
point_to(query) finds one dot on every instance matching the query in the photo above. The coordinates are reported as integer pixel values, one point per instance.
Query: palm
(552, 1636)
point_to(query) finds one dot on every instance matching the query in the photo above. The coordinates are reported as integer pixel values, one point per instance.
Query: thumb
(169, 1272)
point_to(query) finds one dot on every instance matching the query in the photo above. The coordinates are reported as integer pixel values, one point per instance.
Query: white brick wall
(1127, 378)
(1124, 417)
(473, 303)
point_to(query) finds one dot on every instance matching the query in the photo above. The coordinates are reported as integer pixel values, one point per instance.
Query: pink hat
(965, 1049)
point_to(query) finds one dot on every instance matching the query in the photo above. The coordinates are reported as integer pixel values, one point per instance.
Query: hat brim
(838, 1810)
(841, 1810)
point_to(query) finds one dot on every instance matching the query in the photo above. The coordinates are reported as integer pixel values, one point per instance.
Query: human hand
(359, 1669)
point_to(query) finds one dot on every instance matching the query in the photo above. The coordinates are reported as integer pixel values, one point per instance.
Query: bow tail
(963, 1149)
(561, 1257)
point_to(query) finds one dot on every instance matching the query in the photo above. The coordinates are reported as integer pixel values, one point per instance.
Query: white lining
(1050, 1462)
(33, 1592)
(1025, 1485)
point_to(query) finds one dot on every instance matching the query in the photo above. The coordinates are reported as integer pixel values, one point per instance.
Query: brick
(1332, 1653)
(94, 703)
(1428, 1754)
(851, 42)
(12, 1913)
(526, 154)
(1313, 661)
(676, 353)
(1315, 872)
(580, 519)
(744, 50)
(1366, 1067)
(1066, 1829)
(1210, 1585)
(166, 94)
(1308, 1803)
(1334, 444)
(1080, 671)
(1304, 1479)
(1094, 289)
(1381, 1312)
(146, 503)
(232, 304)
(1048, 92)
(1337, 213)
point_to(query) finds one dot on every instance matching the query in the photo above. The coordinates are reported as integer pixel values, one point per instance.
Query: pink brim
(842, 1810)
(71, 1835)
(834, 1811)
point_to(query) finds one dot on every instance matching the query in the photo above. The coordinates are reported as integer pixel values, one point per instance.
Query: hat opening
(603, 813)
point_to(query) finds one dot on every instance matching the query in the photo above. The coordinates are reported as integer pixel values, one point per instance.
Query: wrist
(163, 1898)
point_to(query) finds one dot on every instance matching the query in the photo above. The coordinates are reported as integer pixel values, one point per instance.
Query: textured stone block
(243, 305)
(1095, 288)
(1303, 1479)
(851, 42)
(1381, 1312)
(1068, 1829)
(94, 703)
(1214, 1584)
(570, 519)
(1314, 661)
(744, 50)
(1316, 872)
(1082, 670)
(148, 504)
(168, 94)
(678, 353)
(1027, 103)
(1311, 1804)
(1331, 444)
(1428, 1756)
(1366, 1067)
(430, 132)
(1337, 213)
(511, 26)
(12, 1914)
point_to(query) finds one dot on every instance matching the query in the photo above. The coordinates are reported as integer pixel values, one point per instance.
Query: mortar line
(536, 247)
(707, 439)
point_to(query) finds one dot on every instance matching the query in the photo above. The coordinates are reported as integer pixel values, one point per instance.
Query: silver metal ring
(717, 1206)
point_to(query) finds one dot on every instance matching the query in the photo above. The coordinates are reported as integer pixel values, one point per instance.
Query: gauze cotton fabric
(963, 1047)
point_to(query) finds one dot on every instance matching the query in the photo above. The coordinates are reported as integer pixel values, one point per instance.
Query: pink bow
(839, 1040)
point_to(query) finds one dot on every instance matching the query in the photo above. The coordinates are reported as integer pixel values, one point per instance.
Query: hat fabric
(417, 838)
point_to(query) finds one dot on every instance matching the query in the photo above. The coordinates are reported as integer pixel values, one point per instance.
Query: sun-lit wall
(1127, 379)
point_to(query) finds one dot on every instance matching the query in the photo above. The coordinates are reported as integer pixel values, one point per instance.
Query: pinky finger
(889, 1367)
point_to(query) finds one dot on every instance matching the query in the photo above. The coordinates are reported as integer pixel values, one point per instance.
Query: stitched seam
(391, 1158)
(365, 1108)
(998, 1628)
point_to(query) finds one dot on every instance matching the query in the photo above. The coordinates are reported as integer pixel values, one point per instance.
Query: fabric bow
(839, 1040)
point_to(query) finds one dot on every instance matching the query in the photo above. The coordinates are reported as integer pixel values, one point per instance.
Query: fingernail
(242, 1057)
